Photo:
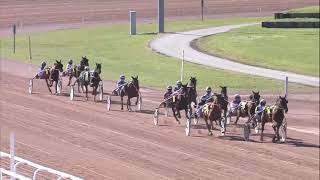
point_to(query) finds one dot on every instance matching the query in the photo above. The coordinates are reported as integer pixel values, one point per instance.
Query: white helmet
(263, 102)
(86, 68)
(122, 76)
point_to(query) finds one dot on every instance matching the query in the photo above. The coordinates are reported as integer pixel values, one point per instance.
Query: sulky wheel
(30, 86)
(156, 117)
(108, 103)
(139, 103)
(283, 132)
(59, 87)
(246, 131)
(101, 92)
(188, 126)
(71, 93)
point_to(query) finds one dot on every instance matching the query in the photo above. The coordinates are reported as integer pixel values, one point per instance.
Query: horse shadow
(146, 111)
(300, 143)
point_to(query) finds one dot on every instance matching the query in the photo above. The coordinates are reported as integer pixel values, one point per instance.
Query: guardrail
(15, 161)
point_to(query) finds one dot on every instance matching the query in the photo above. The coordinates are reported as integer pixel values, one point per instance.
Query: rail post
(12, 153)
(182, 66)
(14, 38)
(286, 87)
(202, 6)
(30, 53)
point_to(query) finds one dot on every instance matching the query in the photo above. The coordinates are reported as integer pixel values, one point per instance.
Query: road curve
(174, 43)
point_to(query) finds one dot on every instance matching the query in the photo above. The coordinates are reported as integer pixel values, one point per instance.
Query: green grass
(295, 50)
(121, 53)
(309, 9)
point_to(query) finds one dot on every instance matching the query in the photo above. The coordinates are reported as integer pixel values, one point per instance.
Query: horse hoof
(178, 122)
(210, 133)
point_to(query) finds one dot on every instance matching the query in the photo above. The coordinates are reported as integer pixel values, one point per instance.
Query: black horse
(131, 90)
(78, 69)
(185, 99)
(250, 106)
(95, 79)
(53, 75)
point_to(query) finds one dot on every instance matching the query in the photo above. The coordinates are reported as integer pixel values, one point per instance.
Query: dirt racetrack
(83, 139)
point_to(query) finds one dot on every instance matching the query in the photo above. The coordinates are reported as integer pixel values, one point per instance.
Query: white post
(0, 174)
(12, 153)
(286, 87)
(182, 64)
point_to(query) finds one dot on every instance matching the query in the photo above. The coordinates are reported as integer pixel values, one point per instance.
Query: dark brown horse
(249, 108)
(180, 102)
(95, 79)
(131, 90)
(53, 75)
(76, 71)
(213, 112)
(274, 114)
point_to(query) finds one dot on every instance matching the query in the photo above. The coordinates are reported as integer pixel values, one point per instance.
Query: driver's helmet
(263, 102)
(86, 68)
(43, 64)
(236, 96)
(169, 88)
(208, 89)
(122, 77)
(70, 61)
(179, 83)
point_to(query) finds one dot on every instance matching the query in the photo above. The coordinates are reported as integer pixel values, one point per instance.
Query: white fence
(15, 161)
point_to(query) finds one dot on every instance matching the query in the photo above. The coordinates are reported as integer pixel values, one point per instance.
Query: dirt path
(84, 139)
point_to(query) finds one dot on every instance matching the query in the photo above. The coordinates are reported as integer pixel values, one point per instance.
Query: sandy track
(84, 139)
(30, 12)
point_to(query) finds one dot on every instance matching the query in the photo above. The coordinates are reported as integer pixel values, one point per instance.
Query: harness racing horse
(180, 102)
(249, 108)
(275, 114)
(78, 69)
(213, 112)
(53, 75)
(95, 79)
(131, 90)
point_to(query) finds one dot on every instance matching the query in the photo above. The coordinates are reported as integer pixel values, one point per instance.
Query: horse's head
(255, 97)
(283, 103)
(135, 81)
(98, 68)
(84, 61)
(219, 99)
(58, 65)
(224, 90)
(193, 82)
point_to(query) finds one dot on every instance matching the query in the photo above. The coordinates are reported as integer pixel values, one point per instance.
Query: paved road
(174, 44)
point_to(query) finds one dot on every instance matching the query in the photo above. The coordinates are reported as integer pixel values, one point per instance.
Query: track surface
(174, 44)
(85, 140)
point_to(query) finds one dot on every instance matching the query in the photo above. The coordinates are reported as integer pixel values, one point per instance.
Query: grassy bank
(295, 50)
(120, 53)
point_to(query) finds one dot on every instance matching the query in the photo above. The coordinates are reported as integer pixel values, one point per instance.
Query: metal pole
(14, 38)
(286, 87)
(133, 22)
(30, 54)
(182, 64)
(202, 6)
(12, 153)
(161, 15)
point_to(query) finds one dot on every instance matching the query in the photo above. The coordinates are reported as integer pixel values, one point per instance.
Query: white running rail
(19, 160)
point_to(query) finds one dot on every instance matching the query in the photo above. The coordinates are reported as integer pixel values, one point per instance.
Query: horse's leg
(278, 127)
(175, 113)
(137, 100)
(121, 102)
(86, 86)
(48, 85)
(56, 86)
(208, 126)
(237, 116)
(70, 77)
(274, 126)
(129, 104)
(262, 129)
